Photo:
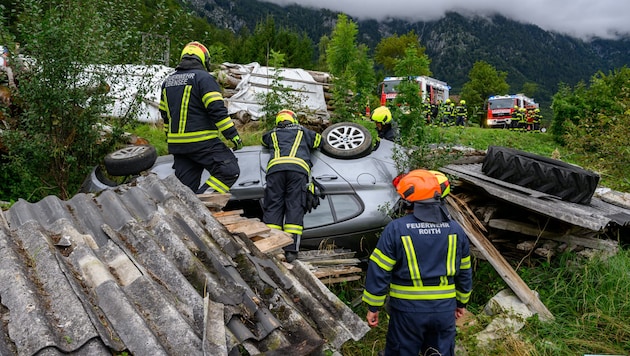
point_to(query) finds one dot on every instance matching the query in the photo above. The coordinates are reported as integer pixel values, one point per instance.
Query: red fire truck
(436, 90)
(500, 109)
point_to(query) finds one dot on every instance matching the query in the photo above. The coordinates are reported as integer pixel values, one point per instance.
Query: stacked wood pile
(229, 77)
(332, 266)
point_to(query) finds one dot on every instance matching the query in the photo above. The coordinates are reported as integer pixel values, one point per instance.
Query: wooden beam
(511, 278)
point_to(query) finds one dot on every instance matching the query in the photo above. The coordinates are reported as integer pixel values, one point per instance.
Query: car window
(333, 208)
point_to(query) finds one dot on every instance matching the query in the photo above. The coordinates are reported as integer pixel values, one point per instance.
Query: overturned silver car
(356, 176)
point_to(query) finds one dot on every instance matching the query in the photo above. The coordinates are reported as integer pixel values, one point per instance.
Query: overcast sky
(579, 18)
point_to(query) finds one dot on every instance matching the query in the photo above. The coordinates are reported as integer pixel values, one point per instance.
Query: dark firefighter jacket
(425, 267)
(290, 146)
(192, 108)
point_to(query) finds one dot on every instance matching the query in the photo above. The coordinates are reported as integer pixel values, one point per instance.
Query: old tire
(566, 181)
(130, 160)
(346, 140)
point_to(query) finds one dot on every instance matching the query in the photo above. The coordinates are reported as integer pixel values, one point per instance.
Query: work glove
(238, 143)
(314, 193)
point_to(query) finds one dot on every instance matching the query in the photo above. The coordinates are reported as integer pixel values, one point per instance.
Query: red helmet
(419, 185)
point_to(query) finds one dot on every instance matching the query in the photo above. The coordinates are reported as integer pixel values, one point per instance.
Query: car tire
(346, 140)
(130, 160)
(566, 181)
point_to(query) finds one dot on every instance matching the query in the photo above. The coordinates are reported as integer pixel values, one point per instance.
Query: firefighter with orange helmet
(422, 261)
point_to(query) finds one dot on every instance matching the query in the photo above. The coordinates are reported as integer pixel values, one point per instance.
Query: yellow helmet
(448, 101)
(462, 102)
(198, 50)
(382, 114)
(286, 115)
(445, 186)
(419, 186)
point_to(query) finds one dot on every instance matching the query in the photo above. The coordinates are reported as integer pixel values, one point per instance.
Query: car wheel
(566, 181)
(130, 160)
(346, 140)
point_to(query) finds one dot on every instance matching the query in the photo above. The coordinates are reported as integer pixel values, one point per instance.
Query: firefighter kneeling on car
(422, 261)
(288, 172)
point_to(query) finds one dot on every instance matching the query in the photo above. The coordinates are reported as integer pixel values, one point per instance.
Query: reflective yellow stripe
(382, 260)
(451, 255)
(292, 160)
(225, 124)
(422, 293)
(412, 262)
(276, 148)
(217, 185)
(210, 97)
(463, 297)
(273, 226)
(192, 136)
(374, 300)
(293, 229)
(465, 263)
(183, 110)
(296, 143)
(318, 140)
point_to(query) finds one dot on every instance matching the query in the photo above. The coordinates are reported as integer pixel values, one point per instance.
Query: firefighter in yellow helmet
(422, 261)
(385, 125)
(288, 173)
(194, 115)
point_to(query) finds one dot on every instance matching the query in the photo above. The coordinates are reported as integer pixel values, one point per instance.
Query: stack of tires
(566, 181)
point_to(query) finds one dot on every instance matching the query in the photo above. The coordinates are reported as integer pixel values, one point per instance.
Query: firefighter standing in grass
(461, 113)
(422, 261)
(194, 114)
(288, 173)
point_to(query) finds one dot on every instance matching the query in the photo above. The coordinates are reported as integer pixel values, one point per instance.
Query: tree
(352, 70)
(484, 81)
(53, 142)
(412, 64)
(394, 48)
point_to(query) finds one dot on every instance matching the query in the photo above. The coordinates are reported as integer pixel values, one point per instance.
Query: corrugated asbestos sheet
(596, 216)
(127, 271)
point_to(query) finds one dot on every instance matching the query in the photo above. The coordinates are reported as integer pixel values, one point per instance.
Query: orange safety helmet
(419, 185)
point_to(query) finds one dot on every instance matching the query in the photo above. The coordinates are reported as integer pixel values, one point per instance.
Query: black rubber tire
(346, 140)
(130, 160)
(566, 181)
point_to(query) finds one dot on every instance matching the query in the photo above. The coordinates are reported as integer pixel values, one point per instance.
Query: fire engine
(500, 109)
(436, 90)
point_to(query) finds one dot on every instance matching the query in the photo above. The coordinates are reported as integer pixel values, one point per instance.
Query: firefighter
(426, 110)
(447, 112)
(385, 125)
(461, 113)
(537, 119)
(522, 119)
(194, 114)
(288, 172)
(516, 114)
(422, 261)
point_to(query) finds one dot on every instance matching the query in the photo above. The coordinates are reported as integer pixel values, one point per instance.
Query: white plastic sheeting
(140, 84)
(257, 80)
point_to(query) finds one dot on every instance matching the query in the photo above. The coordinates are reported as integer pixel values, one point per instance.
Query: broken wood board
(214, 200)
(500, 264)
(248, 227)
(531, 230)
(276, 240)
(331, 280)
(335, 271)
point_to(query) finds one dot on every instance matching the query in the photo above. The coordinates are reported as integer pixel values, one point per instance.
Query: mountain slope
(454, 43)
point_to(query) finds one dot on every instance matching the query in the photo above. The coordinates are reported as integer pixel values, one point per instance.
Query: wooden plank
(335, 262)
(531, 230)
(274, 241)
(231, 219)
(222, 213)
(511, 278)
(335, 271)
(330, 280)
(249, 227)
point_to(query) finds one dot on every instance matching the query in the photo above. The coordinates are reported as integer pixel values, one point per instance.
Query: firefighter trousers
(284, 202)
(217, 159)
(420, 333)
